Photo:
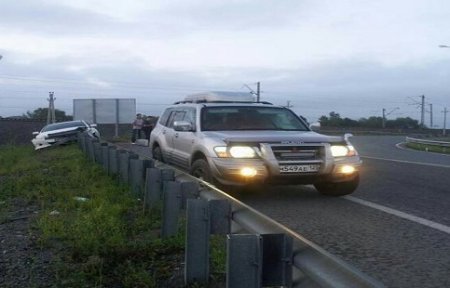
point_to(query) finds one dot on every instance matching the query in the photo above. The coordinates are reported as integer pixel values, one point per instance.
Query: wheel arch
(197, 155)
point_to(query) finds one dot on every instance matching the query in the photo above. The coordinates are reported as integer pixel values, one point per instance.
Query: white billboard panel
(105, 111)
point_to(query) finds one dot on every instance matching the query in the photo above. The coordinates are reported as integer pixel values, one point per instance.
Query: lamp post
(444, 130)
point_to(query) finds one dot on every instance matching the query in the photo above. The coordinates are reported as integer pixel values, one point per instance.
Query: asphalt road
(395, 227)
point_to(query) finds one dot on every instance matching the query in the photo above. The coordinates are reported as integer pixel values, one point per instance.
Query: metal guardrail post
(167, 175)
(113, 161)
(189, 190)
(171, 208)
(137, 175)
(277, 260)
(90, 149)
(81, 143)
(105, 157)
(97, 152)
(155, 180)
(197, 242)
(244, 261)
(124, 158)
(220, 216)
(153, 185)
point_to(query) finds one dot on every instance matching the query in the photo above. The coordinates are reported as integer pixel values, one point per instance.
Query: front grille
(297, 153)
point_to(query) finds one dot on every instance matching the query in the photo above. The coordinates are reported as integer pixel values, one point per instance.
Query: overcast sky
(350, 56)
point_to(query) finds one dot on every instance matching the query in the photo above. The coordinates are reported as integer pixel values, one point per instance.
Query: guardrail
(264, 256)
(427, 142)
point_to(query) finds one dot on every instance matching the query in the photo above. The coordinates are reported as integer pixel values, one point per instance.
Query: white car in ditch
(62, 133)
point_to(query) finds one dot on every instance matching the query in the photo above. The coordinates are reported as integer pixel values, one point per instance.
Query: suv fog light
(347, 169)
(248, 172)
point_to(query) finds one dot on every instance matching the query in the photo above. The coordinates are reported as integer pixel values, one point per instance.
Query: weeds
(103, 240)
(429, 148)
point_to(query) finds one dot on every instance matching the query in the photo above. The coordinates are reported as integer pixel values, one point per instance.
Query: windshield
(63, 125)
(250, 118)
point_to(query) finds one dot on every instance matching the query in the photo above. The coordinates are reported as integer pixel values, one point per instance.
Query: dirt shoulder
(23, 263)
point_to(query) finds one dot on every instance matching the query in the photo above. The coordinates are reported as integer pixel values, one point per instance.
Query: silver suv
(227, 138)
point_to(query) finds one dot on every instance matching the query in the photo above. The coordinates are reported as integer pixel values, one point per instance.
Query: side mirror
(315, 126)
(182, 126)
(347, 136)
(35, 133)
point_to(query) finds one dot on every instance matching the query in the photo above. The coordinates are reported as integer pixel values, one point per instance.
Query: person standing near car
(147, 126)
(137, 127)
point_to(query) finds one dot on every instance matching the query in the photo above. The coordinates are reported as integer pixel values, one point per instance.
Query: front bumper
(228, 171)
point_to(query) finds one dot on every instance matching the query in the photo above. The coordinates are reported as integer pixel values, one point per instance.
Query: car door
(183, 141)
(170, 134)
(163, 134)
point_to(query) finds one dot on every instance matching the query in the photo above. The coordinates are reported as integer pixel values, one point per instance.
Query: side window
(190, 116)
(176, 116)
(165, 117)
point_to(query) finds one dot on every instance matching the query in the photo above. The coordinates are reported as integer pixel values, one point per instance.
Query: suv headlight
(235, 152)
(342, 150)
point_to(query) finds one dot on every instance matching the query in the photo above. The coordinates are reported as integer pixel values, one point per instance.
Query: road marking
(408, 162)
(425, 222)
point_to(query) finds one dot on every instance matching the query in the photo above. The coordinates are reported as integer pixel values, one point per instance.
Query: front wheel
(338, 188)
(157, 153)
(200, 169)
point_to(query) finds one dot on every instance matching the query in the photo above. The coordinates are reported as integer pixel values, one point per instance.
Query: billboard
(105, 111)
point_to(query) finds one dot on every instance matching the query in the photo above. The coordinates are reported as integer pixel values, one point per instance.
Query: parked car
(62, 133)
(227, 138)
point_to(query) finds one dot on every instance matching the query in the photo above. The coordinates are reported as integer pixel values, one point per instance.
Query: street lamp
(445, 109)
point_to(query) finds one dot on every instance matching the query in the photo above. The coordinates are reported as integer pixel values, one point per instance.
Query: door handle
(176, 135)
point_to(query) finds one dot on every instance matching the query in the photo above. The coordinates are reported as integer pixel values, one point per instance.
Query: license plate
(299, 168)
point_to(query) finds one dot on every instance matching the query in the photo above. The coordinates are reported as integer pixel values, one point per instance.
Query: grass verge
(428, 148)
(98, 233)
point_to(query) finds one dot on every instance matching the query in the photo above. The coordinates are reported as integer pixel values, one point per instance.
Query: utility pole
(422, 112)
(51, 108)
(258, 91)
(288, 105)
(444, 131)
(385, 115)
(431, 116)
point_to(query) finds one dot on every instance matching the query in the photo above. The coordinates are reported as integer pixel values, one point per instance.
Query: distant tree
(371, 122)
(335, 120)
(41, 114)
(403, 123)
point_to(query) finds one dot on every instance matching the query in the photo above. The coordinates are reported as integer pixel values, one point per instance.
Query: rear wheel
(338, 188)
(157, 153)
(200, 169)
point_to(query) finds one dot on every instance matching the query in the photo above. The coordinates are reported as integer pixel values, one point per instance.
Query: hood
(61, 132)
(282, 137)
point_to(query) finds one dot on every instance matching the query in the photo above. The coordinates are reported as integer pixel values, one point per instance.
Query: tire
(337, 188)
(157, 153)
(200, 169)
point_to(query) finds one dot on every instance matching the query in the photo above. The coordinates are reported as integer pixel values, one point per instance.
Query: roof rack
(221, 97)
(242, 102)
